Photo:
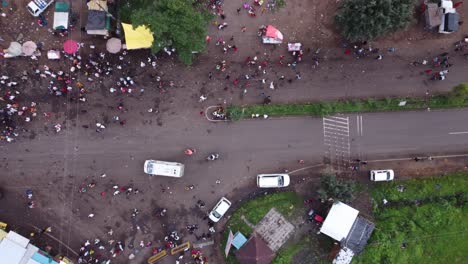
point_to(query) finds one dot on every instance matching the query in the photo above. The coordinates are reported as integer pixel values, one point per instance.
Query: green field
(430, 216)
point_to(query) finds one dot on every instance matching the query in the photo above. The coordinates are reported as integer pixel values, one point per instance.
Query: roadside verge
(455, 99)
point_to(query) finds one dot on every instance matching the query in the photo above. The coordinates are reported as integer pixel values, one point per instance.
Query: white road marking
(359, 127)
(362, 128)
(458, 133)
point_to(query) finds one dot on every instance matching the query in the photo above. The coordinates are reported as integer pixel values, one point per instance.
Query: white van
(164, 168)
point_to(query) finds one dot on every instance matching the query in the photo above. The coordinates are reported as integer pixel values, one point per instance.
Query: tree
(337, 189)
(459, 94)
(362, 20)
(176, 23)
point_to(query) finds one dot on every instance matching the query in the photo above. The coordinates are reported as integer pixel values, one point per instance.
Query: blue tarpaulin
(239, 240)
(43, 259)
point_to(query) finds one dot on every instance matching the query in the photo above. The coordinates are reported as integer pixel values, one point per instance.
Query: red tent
(272, 35)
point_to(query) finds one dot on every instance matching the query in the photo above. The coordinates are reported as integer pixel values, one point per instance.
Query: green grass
(435, 231)
(343, 106)
(254, 210)
(286, 253)
(422, 188)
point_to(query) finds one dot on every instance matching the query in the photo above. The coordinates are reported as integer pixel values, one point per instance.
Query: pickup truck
(36, 7)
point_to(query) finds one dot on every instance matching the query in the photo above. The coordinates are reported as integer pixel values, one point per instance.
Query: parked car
(164, 168)
(272, 180)
(36, 7)
(382, 175)
(219, 210)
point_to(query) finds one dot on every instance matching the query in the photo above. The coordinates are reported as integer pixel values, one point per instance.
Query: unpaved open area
(73, 172)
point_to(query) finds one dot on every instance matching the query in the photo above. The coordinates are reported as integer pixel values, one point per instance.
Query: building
(344, 225)
(442, 17)
(255, 251)
(16, 249)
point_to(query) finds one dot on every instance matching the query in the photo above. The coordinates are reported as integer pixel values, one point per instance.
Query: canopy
(70, 46)
(15, 49)
(113, 45)
(29, 47)
(100, 5)
(139, 38)
(272, 36)
(294, 46)
(61, 15)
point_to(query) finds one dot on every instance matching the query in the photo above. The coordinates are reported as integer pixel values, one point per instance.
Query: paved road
(55, 165)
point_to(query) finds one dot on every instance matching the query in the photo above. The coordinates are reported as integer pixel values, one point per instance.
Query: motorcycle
(213, 157)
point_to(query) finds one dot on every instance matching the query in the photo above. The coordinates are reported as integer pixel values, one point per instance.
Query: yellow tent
(139, 38)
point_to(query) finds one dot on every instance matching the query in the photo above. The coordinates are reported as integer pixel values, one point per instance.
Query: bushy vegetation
(362, 20)
(337, 189)
(426, 223)
(459, 95)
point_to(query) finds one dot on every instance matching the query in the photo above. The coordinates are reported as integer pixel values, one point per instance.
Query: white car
(272, 180)
(382, 175)
(219, 210)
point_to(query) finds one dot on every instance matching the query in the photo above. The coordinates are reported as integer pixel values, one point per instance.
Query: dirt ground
(66, 209)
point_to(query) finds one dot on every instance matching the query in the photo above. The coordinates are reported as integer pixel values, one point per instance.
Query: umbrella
(15, 49)
(29, 47)
(70, 46)
(113, 45)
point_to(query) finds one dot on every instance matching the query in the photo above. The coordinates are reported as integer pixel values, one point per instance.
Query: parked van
(164, 168)
(219, 210)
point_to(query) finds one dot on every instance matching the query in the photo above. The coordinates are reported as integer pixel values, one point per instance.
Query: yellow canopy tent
(138, 38)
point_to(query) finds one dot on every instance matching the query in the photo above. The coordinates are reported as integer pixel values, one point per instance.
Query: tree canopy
(362, 20)
(176, 23)
(459, 94)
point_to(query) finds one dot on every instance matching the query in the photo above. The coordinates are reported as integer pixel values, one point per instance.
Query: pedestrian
(267, 100)
(243, 29)
(238, 11)
(227, 77)
(416, 159)
(232, 38)
(210, 75)
(31, 204)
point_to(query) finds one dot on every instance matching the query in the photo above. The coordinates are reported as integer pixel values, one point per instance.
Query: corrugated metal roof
(359, 234)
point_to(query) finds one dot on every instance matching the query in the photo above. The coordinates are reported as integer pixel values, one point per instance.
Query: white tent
(339, 221)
